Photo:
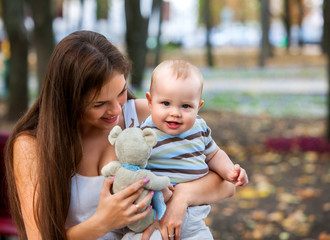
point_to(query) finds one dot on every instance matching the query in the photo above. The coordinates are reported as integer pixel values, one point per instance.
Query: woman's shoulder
(25, 151)
(25, 141)
(142, 109)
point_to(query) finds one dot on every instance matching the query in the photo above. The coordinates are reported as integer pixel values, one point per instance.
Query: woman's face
(104, 110)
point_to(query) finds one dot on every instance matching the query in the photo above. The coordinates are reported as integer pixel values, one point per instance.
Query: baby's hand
(238, 176)
(168, 192)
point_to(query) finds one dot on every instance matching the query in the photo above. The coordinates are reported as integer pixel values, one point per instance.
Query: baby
(185, 150)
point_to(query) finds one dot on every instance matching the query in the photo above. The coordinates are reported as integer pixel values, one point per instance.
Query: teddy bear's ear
(149, 136)
(114, 134)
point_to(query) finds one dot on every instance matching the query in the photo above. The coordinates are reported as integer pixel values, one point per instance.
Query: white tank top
(85, 191)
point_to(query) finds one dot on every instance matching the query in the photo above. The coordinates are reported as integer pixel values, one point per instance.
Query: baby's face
(174, 103)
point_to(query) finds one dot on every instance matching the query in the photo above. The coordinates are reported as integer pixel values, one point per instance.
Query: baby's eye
(166, 103)
(185, 106)
(99, 104)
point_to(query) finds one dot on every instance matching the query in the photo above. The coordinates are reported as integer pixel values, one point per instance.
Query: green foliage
(102, 9)
(244, 10)
(171, 46)
(215, 8)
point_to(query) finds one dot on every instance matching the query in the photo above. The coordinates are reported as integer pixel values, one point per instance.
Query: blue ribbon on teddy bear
(157, 201)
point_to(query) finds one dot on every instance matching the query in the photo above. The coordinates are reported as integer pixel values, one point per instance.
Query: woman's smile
(110, 120)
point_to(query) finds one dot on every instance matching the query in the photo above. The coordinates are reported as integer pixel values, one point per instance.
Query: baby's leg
(137, 236)
(194, 227)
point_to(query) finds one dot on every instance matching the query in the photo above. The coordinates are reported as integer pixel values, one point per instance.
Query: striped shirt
(181, 157)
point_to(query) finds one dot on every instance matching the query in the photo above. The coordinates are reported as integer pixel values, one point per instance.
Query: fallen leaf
(288, 198)
(306, 179)
(244, 204)
(275, 216)
(311, 157)
(326, 207)
(308, 193)
(297, 223)
(258, 215)
(324, 236)
(284, 236)
(247, 193)
(309, 168)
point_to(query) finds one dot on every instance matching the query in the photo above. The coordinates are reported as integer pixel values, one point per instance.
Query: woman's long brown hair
(81, 63)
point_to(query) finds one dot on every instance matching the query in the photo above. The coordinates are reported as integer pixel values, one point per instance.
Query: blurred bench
(7, 227)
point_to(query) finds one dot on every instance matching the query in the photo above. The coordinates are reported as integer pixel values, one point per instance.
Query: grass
(277, 105)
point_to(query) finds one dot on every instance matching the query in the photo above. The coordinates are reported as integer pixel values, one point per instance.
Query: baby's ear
(149, 136)
(148, 96)
(114, 134)
(201, 104)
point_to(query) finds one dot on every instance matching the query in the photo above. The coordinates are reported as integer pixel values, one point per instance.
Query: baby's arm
(219, 162)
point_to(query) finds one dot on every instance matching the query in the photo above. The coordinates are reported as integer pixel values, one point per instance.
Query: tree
(13, 16)
(300, 5)
(207, 19)
(265, 48)
(136, 37)
(287, 23)
(326, 49)
(157, 6)
(43, 35)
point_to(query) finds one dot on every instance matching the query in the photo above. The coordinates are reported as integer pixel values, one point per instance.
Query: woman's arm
(25, 169)
(206, 190)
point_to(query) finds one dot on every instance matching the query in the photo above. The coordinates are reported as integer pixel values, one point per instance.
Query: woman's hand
(114, 211)
(172, 221)
(117, 210)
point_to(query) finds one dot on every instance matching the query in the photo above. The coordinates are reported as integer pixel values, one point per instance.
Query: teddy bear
(133, 148)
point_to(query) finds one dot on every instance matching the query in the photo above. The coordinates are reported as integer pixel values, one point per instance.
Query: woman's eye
(122, 92)
(166, 103)
(99, 104)
(185, 106)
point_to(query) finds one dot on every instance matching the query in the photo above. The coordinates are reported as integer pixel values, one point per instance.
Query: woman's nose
(115, 108)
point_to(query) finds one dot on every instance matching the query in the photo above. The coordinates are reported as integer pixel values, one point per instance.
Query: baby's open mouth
(172, 124)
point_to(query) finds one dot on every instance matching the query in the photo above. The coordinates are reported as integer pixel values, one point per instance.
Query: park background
(266, 86)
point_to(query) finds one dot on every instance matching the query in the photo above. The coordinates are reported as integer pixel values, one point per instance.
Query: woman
(56, 151)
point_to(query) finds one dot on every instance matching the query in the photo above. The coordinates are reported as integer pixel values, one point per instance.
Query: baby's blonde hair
(181, 69)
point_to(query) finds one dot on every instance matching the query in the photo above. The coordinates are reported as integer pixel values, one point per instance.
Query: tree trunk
(136, 36)
(265, 48)
(287, 23)
(300, 19)
(43, 35)
(13, 16)
(158, 6)
(326, 49)
(207, 19)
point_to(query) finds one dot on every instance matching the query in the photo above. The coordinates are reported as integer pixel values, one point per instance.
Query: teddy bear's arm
(156, 182)
(111, 168)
